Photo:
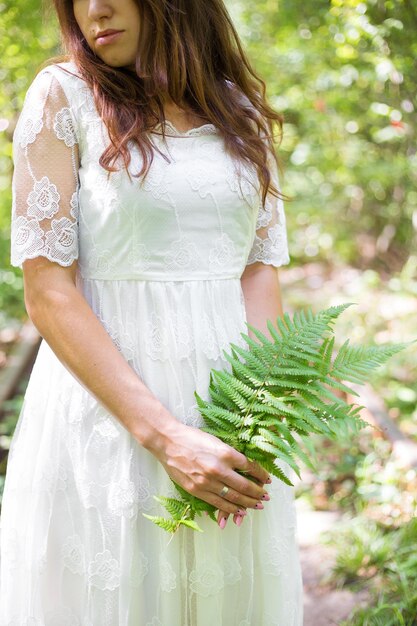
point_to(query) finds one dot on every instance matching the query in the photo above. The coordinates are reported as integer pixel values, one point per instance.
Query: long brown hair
(190, 52)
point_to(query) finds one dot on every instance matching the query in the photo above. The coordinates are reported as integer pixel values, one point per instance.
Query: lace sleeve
(270, 245)
(45, 177)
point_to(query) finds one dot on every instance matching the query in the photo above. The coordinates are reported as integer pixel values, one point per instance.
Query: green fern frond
(275, 393)
(278, 473)
(326, 352)
(251, 360)
(336, 384)
(191, 524)
(175, 508)
(170, 526)
(281, 450)
(221, 399)
(243, 372)
(244, 390)
(286, 386)
(355, 363)
(244, 435)
(200, 402)
(262, 338)
(303, 372)
(195, 503)
(316, 424)
(223, 383)
(265, 409)
(274, 439)
(223, 416)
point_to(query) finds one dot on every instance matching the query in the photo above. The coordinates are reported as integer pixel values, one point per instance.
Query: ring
(224, 491)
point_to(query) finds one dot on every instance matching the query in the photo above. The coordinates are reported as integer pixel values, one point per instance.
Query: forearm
(262, 295)
(66, 321)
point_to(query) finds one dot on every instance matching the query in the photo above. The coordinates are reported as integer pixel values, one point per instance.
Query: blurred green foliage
(343, 74)
(28, 36)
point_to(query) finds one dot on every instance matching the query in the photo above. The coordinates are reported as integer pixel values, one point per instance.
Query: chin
(111, 60)
(113, 63)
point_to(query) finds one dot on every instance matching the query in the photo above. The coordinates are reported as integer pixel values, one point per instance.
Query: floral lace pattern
(140, 570)
(104, 571)
(270, 241)
(73, 554)
(64, 127)
(198, 131)
(208, 579)
(181, 255)
(123, 499)
(168, 578)
(45, 202)
(222, 252)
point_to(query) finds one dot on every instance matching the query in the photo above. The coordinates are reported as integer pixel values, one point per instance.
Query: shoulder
(47, 104)
(55, 81)
(64, 74)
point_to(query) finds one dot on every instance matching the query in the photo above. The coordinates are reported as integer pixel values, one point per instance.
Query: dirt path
(323, 604)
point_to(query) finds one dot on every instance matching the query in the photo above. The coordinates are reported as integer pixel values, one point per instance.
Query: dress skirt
(75, 547)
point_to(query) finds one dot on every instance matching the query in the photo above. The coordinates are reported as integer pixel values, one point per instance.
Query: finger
(238, 519)
(241, 462)
(242, 485)
(239, 498)
(254, 469)
(222, 518)
(219, 503)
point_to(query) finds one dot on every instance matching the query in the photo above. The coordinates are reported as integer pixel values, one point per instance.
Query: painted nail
(239, 520)
(266, 497)
(269, 481)
(222, 522)
(241, 512)
(259, 505)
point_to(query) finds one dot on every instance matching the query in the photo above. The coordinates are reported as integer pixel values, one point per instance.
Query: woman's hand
(202, 465)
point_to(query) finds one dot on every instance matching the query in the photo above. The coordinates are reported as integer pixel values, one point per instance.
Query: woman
(144, 250)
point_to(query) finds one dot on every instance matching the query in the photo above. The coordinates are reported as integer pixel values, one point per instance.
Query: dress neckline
(205, 129)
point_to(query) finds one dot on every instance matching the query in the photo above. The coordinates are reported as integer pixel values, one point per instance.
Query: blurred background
(344, 74)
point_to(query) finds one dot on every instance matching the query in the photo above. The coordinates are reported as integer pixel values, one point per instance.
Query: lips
(105, 33)
(108, 36)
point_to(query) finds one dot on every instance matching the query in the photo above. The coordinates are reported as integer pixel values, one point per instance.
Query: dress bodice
(196, 215)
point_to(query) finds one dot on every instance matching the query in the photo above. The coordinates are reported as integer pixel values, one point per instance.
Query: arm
(44, 244)
(262, 294)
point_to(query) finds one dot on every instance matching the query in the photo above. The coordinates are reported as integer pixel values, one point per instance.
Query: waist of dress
(160, 277)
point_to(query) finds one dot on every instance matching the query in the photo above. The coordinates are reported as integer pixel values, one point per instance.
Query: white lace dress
(160, 265)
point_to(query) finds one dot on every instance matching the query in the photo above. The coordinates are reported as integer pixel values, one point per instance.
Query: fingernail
(241, 512)
(259, 505)
(266, 497)
(222, 522)
(269, 481)
(239, 520)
